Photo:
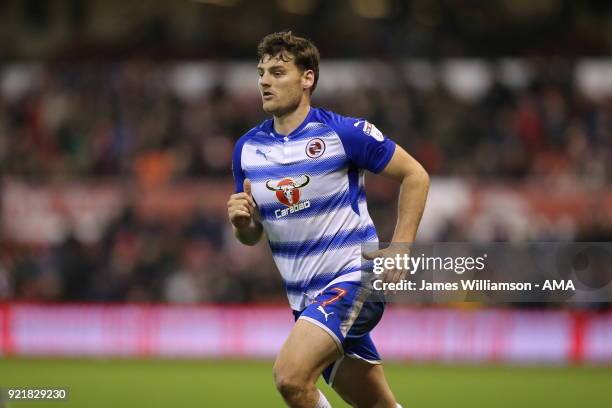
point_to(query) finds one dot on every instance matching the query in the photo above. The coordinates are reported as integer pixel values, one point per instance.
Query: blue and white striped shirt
(309, 189)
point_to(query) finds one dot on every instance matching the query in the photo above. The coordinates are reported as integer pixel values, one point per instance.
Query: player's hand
(241, 207)
(393, 274)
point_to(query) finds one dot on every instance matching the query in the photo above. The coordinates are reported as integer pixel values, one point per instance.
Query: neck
(287, 123)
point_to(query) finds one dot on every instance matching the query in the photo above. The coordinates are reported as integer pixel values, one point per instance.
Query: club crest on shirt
(315, 148)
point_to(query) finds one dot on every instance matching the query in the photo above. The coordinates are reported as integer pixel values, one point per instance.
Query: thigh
(362, 384)
(307, 351)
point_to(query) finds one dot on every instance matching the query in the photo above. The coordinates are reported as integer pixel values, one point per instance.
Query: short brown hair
(305, 53)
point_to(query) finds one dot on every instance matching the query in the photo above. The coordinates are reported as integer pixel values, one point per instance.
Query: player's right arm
(241, 210)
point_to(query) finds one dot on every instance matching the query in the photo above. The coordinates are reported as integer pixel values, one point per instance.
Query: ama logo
(288, 193)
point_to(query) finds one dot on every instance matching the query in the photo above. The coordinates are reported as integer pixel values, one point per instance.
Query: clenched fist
(241, 207)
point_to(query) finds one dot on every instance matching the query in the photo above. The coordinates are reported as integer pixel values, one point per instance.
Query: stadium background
(119, 277)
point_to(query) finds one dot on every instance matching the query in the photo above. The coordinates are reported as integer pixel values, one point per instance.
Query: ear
(308, 78)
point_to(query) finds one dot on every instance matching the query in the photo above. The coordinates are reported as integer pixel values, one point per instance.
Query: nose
(264, 80)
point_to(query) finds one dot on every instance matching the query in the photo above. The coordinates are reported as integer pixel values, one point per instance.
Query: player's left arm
(368, 148)
(412, 194)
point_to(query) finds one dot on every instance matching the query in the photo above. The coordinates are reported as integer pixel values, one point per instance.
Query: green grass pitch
(219, 383)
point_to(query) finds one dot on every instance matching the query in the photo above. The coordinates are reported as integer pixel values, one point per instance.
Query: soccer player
(300, 179)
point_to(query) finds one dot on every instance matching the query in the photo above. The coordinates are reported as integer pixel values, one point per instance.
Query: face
(282, 84)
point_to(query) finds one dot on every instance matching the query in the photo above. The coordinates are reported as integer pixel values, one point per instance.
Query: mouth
(266, 95)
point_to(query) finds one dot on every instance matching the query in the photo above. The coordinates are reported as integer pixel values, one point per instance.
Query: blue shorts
(348, 314)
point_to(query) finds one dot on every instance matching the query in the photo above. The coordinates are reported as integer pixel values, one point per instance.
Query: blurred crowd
(124, 119)
(123, 122)
(143, 261)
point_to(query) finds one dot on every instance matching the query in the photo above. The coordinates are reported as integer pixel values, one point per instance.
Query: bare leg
(363, 385)
(300, 362)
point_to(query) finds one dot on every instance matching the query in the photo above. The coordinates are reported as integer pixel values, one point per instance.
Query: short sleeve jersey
(309, 190)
